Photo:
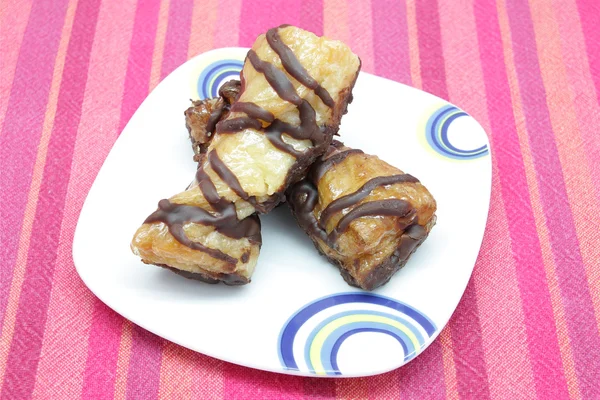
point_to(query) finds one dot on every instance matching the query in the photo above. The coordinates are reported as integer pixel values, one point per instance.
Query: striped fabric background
(73, 72)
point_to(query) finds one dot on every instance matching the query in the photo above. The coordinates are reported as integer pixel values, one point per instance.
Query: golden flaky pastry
(364, 215)
(295, 88)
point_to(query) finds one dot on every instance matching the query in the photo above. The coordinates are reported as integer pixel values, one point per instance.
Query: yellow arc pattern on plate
(319, 340)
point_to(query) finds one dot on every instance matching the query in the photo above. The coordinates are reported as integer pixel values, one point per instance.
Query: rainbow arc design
(215, 74)
(436, 132)
(331, 323)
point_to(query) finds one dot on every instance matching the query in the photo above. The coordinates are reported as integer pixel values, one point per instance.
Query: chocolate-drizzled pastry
(295, 87)
(366, 216)
(202, 117)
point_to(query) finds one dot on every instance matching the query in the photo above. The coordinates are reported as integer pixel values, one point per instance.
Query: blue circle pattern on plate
(215, 74)
(436, 132)
(403, 323)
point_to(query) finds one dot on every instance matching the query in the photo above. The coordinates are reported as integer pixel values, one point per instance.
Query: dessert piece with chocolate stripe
(295, 87)
(366, 216)
(202, 117)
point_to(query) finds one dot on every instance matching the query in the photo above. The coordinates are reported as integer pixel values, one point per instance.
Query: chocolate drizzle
(303, 200)
(388, 207)
(253, 111)
(295, 69)
(201, 118)
(329, 159)
(274, 132)
(226, 175)
(176, 215)
(353, 198)
(276, 78)
(228, 93)
(224, 218)
(215, 116)
(208, 189)
(308, 130)
(284, 88)
(304, 196)
(235, 125)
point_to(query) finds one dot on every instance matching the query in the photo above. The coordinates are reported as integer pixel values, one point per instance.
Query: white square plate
(298, 316)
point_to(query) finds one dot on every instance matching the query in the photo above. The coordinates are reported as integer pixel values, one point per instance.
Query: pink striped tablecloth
(73, 72)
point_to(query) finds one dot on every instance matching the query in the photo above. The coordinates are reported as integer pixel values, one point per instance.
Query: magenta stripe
(143, 376)
(35, 294)
(178, 35)
(390, 40)
(259, 15)
(579, 310)
(433, 72)
(539, 320)
(137, 78)
(311, 16)
(103, 353)
(589, 13)
(471, 374)
(243, 383)
(146, 349)
(22, 129)
(469, 360)
(423, 378)
(319, 389)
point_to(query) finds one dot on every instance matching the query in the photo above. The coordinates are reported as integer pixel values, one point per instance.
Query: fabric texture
(73, 72)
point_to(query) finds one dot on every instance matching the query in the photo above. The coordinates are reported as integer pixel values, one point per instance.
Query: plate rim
(107, 300)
